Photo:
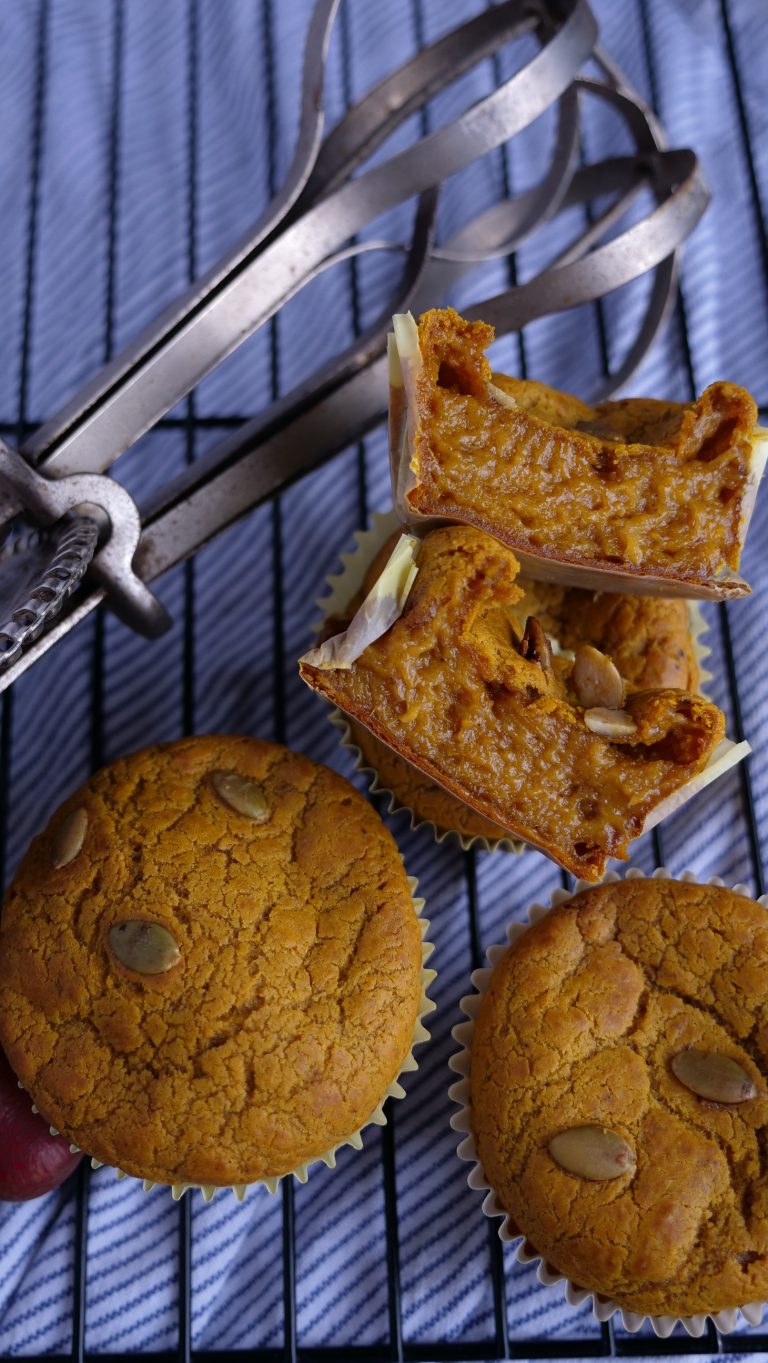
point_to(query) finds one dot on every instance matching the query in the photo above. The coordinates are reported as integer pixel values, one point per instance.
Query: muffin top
(634, 1017)
(210, 962)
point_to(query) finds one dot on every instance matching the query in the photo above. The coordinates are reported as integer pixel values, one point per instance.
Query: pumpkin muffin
(555, 750)
(648, 639)
(210, 963)
(619, 1106)
(641, 495)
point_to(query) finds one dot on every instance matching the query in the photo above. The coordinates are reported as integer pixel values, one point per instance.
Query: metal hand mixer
(75, 537)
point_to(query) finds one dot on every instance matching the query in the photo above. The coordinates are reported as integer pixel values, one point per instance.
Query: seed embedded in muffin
(69, 838)
(596, 681)
(535, 645)
(712, 1075)
(607, 723)
(147, 948)
(593, 1152)
(242, 794)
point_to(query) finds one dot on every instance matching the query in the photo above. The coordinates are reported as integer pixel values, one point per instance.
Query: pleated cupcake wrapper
(345, 585)
(328, 1157)
(603, 1308)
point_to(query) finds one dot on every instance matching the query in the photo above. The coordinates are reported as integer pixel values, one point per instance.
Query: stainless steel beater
(76, 537)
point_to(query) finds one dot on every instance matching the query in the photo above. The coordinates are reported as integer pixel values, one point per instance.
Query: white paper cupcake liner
(603, 1308)
(328, 1157)
(699, 626)
(342, 587)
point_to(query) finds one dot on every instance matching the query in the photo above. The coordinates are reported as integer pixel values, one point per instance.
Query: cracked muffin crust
(292, 1003)
(582, 1025)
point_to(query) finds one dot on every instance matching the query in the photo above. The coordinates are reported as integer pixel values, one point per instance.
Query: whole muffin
(619, 1105)
(210, 963)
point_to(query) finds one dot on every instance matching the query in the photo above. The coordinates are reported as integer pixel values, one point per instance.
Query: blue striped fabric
(139, 140)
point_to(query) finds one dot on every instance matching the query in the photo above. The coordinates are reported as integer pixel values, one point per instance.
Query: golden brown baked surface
(449, 689)
(581, 1022)
(652, 487)
(295, 997)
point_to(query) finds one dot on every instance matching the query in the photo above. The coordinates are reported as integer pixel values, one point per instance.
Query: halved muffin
(638, 495)
(550, 748)
(649, 639)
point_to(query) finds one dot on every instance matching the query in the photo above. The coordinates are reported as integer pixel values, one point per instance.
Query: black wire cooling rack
(501, 1344)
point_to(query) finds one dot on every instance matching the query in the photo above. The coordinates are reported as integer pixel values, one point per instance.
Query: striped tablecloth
(138, 140)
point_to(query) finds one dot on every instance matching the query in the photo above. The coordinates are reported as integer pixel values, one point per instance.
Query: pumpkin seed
(596, 680)
(535, 645)
(592, 1152)
(709, 1074)
(69, 838)
(610, 723)
(147, 948)
(241, 793)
